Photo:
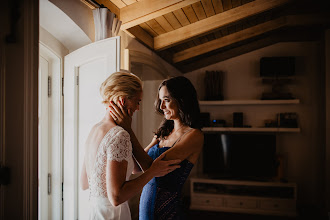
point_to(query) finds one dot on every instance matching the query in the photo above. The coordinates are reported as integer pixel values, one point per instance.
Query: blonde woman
(108, 161)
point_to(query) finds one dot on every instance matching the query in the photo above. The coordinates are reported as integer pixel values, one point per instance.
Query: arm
(119, 190)
(189, 147)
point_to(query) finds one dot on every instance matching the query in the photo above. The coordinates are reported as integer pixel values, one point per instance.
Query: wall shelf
(251, 102)
(253, 129)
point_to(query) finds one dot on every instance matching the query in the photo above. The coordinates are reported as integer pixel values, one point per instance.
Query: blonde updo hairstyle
(120, 84)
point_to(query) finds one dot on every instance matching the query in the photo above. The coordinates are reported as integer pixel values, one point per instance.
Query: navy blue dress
(161, 197)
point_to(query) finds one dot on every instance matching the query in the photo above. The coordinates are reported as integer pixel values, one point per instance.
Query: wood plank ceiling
(191, 34)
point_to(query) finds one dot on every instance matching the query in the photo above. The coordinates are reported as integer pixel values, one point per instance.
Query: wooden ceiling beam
(209, 24)
(286, 35)
(293, 20)
(142, 36)
(228, 40)
(142, 11)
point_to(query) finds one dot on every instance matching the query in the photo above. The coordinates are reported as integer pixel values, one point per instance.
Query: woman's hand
(120, 115)
(162, 167)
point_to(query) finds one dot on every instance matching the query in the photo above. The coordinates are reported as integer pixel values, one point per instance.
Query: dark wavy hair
(184, 93)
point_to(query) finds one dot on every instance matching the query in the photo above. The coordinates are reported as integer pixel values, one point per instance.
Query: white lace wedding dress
(115, 145)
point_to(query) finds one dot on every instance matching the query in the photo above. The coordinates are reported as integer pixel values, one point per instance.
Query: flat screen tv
(239, 156)
(277, 67)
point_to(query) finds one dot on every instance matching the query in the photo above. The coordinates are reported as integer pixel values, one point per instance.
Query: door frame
(54, 131)
(30, 108)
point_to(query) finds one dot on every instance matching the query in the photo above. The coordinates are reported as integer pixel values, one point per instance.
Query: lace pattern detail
(120, 149)
(115, 145)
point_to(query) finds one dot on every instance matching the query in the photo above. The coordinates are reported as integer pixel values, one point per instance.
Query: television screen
(239, 156)
(277, 66)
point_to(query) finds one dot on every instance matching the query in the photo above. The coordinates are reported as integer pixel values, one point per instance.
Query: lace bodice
(115, 145)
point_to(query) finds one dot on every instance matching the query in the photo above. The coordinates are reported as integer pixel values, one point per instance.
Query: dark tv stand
(267, 198)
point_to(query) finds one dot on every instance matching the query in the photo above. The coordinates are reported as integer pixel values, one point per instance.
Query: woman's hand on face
(120, 115)
(162, 167)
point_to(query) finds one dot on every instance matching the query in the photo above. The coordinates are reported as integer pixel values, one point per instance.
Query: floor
(207, 215)
(303, 213)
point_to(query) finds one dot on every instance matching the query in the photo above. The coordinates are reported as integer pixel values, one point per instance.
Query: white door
(84, 71)
(43, 142)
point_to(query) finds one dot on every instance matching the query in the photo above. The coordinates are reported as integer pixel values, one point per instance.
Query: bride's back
(93, 142)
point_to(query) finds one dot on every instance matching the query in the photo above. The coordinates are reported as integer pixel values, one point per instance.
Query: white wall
(63, 27)
(52, 43)
(127, 42)
(80, 14)
(304, 150)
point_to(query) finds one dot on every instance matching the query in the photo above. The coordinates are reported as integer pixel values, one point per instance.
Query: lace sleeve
(120, 147)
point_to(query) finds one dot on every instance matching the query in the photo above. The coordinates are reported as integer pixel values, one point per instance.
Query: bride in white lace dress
(108, 161)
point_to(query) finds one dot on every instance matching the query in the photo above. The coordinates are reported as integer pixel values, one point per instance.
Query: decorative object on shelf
(214, 85)
(270, 123)
(238, 119)
(277, 71)
(218, 123)
(287, 120)
(106, 23)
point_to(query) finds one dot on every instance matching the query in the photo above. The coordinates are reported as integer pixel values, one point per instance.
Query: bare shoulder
(196, 135)
(92, 132)
(99, 130)
(194, 139)
(197, 132)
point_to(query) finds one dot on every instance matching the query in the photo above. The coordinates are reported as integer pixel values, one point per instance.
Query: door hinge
(49, 183)
(77, 80)
(49, 86)
(62, 191)
(62, 86)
